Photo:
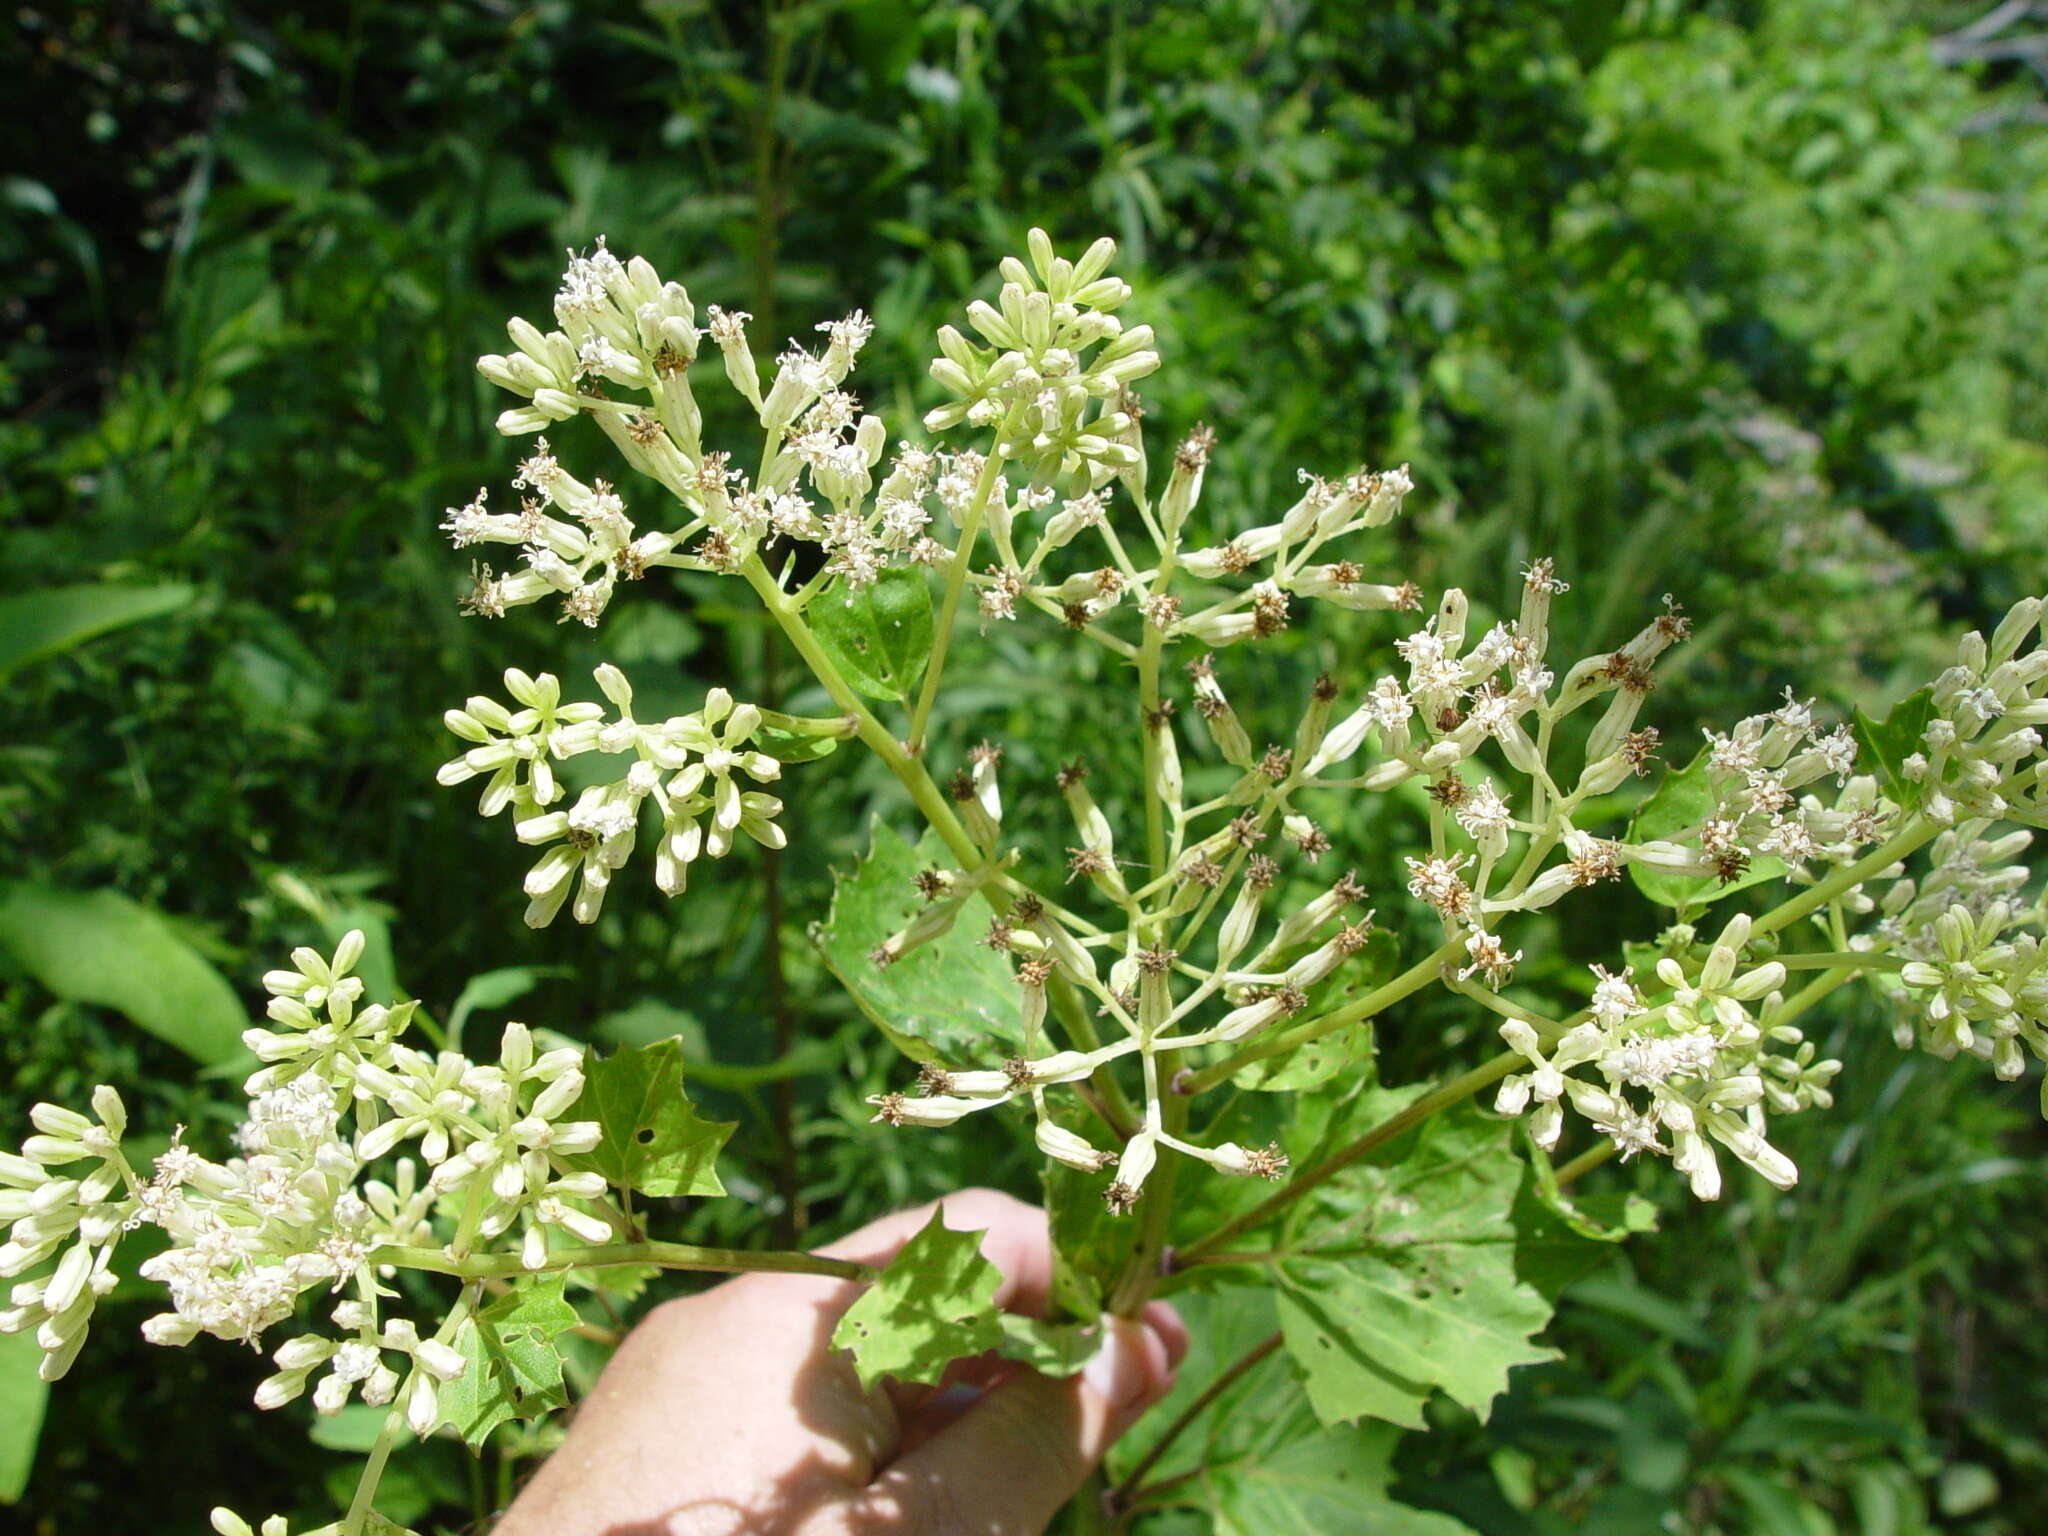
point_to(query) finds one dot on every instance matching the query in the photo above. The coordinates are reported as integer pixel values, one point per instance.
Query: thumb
(1008, 1463)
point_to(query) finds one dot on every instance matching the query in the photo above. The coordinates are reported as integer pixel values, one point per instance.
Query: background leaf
(36, 625)
(1681, 802)
(100, 947)
(1328, 1482)
(22, 1396)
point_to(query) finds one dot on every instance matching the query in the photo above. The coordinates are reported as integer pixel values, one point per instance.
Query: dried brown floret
(1267, 1162)
(1196, 447)
(716, 551)
(1085, 862)
(1352, 938)
(1639, 747)
(1158, 960)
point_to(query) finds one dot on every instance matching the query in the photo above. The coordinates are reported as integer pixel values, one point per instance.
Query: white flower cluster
(1981, 751)
(624, 329)
(1976, 972)
(580, 562)
(692, 768)
(1697, 1064)
(297, 1209)
(1052, 378)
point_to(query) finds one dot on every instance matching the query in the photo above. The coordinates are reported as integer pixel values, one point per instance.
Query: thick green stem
(1917, 830)
(1457, 1089)
(1840, 960)
(1571, 1172)
(494, 1266)
(923, 790)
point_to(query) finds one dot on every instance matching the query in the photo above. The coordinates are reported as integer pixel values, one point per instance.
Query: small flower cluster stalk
(1200, 946)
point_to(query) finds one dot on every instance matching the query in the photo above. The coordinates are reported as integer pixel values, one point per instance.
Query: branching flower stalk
(1204, 947)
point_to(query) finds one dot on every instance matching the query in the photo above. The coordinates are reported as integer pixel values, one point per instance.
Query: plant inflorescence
(1191, 987)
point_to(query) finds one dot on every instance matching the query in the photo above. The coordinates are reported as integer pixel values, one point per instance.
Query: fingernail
(1117, 1373)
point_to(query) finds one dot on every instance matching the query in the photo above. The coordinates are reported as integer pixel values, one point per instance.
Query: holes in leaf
(645, 1136)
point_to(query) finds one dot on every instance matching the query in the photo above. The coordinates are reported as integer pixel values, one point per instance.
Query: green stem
(1809, 994)
(372, 1474)
(1917, 830)
(1126, 1492)
(492, 1266)
(916, 781)
(1840, 960)
(1412, 980)
(1457, 1089)
(360, 1506)
(1584, 1163)
(949, 604)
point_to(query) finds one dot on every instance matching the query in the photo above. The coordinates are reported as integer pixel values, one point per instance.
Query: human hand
(729, 1413)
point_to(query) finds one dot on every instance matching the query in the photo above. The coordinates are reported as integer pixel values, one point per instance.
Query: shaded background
(1735, 301)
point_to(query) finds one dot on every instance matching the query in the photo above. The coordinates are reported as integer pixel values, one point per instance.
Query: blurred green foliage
(1732, 300)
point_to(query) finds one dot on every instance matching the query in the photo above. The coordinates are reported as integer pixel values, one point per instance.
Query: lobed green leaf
(951, 1000)
(512, 1368)
(653, 1139)
(1886, 744)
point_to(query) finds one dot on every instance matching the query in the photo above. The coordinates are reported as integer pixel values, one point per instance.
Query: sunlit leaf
(513, 1369)
(652, 1140)
(934, 1304)
(951, 1000)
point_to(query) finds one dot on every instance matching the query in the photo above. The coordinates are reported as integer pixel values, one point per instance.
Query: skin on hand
(730, 1414)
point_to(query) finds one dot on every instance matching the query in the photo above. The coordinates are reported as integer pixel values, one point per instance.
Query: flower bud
(1064, 1146)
